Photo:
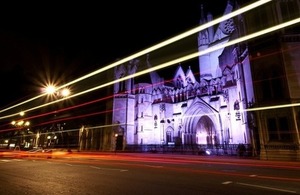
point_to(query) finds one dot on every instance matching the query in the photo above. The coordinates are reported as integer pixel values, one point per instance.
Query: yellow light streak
(194, 55)
(178, 60)
(172, 40)
(153, 48)
(248, 110)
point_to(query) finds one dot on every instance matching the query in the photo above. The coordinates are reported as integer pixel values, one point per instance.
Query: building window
(278, 129)
(142, 90)
(155, 121)
(272, 129)
(289, 10)
(272, 86)
(122, 87)
(285, 134)
(262, 19)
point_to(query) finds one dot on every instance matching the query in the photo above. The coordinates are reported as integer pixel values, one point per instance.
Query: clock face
(228, 26)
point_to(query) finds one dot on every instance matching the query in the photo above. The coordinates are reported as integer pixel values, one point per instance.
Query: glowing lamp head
(65, 92)
(50, 89)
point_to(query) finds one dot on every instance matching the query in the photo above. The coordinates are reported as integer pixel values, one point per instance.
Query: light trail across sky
(176, 61)
(95, 101)
(148, 50)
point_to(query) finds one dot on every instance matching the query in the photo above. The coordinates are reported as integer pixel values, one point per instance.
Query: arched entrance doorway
(201, 124)
(206, 132)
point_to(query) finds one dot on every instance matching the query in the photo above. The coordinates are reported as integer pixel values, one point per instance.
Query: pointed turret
(203, 44)
(203, 38)
(155, 78)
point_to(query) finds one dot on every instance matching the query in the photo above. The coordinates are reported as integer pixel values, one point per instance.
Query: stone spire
(155, 78)
(204, 39)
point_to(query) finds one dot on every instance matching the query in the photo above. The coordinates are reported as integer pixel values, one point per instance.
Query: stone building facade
(222, 105)
(189, 110)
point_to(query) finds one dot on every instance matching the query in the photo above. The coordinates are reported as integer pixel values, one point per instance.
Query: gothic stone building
(189, 110)
(224, 104)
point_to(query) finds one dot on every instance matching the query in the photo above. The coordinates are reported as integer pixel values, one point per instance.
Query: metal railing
(228, 149)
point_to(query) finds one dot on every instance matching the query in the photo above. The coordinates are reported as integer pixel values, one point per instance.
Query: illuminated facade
(217, 107)
(189, 110)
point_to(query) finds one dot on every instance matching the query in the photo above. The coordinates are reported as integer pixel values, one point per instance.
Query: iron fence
(228, 149)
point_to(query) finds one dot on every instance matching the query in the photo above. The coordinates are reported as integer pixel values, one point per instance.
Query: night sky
(63, 41)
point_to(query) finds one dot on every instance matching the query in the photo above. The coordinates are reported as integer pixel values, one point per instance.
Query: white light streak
(172, 40)
(153, 48)
(187, 57)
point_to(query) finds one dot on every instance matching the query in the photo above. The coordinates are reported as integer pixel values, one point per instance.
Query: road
(146, 174)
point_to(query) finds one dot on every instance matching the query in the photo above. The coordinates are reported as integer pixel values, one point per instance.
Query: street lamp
(116, 138)
(56, 94)
(65, 92)
(52, 90)
(20, 125)
(49, 140)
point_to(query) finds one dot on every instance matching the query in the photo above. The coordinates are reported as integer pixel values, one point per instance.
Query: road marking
(18, 160)
(227, 182)
(5, 160)
(11, 160)
(121, 170)
(269, 188)
(95, 167)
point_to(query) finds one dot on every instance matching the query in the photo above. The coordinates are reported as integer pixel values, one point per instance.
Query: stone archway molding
(194, 113)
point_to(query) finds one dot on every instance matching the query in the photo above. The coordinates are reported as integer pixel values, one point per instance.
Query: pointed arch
(192, 116)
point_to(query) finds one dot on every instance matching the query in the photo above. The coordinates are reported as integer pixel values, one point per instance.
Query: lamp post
(20, 125)
(49, 141)
(55, 93)
(116, 139)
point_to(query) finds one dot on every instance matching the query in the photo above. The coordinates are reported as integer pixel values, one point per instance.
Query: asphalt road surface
(146, 174)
